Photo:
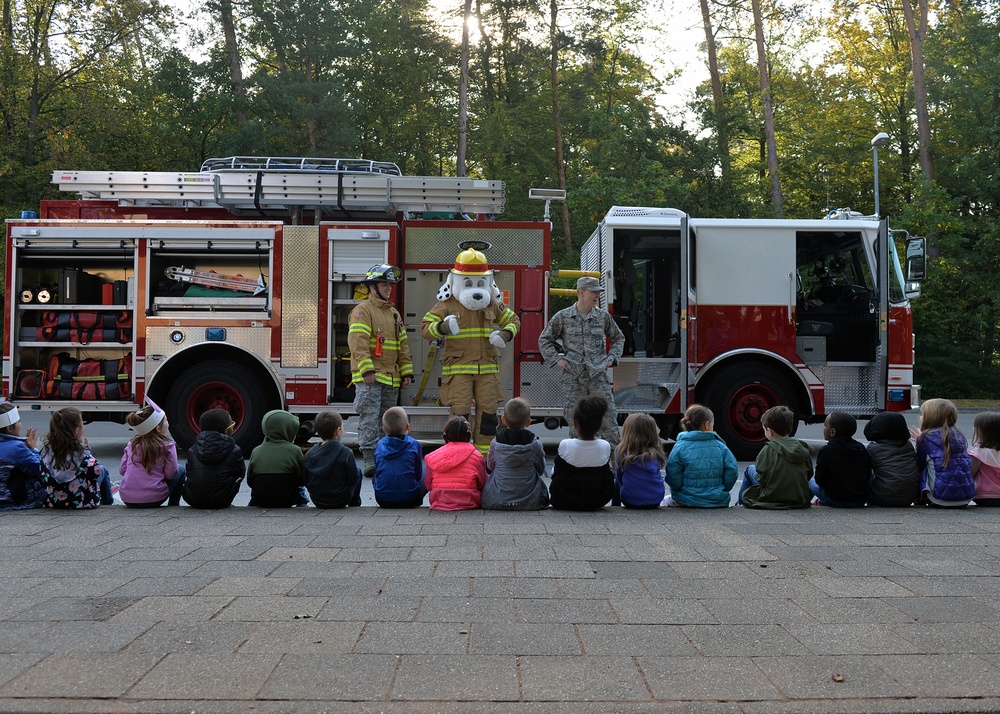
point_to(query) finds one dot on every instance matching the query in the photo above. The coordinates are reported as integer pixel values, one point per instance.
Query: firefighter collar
(150, 422)
(9, 418)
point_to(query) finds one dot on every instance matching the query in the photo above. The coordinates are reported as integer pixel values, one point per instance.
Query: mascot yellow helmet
(472, 260)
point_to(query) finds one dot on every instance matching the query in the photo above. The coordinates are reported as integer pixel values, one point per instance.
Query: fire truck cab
(742, 315)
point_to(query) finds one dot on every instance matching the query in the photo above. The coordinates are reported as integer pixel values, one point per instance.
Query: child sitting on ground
(456, 472)
(895, 477)
(149, 468)
(942, 457)
(20, 468)
(843, 467)
(215, 466)
(779, 478)
(638, 459)
(985, 453)
(399, 464)
(582, 479)
(275, 470)
(331, 471)
(701, 469)
(516, 464)
(71, 474)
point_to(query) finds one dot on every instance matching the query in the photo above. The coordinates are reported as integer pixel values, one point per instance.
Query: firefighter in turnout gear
(380, 358)
(472, 317)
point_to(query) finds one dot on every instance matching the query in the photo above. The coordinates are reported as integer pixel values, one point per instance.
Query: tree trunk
(235, 68)
(557, 120)
(463, 91)
(718, 101)
(765, 91)
(916, 28)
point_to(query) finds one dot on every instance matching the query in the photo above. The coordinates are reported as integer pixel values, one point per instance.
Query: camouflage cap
(589, 284)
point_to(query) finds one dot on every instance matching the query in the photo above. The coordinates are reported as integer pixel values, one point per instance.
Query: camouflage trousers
(579, 382)
(370, 403)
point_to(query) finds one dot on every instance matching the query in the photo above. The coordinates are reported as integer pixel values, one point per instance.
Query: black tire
(738, 396)
(217, 384)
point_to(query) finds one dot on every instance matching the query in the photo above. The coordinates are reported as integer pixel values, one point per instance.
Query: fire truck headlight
(176, 337)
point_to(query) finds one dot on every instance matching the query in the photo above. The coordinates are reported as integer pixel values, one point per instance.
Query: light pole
(881, 139)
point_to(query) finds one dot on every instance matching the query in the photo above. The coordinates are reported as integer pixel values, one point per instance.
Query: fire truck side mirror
(916, 249)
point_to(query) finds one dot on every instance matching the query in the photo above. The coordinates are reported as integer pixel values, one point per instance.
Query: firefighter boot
(369, 457)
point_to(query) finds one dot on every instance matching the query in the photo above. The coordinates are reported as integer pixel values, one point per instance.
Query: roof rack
(291, 163)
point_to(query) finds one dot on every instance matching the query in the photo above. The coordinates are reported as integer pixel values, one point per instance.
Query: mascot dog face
(471, 283)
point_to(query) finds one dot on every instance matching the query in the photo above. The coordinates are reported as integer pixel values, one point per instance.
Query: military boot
(369, 457)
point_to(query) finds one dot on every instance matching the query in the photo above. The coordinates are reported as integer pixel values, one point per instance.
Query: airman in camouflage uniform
(575, 340)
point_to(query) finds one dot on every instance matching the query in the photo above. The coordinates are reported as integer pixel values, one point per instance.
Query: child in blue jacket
(399, 464)
(701, 469)
(638, 460)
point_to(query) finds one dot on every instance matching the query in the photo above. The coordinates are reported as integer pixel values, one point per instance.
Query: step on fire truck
(232, 287)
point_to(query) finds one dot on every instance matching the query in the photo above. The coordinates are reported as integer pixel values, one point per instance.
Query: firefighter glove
(497, 340)
(450, 325)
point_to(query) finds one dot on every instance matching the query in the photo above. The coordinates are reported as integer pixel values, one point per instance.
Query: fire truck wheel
(739, 395)
(216, 384)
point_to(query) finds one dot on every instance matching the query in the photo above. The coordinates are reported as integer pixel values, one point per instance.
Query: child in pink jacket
(456, 473)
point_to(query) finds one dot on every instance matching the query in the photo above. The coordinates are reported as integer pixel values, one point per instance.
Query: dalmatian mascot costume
(471, 317)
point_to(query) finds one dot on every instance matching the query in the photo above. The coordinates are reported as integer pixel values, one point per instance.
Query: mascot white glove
(450, 325)
(497, 340)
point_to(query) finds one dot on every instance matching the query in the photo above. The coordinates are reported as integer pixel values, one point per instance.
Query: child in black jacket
(215, 467)
(843, 467)
(582, 479)
(331, 471)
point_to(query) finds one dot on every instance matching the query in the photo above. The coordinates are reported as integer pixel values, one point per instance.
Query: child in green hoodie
(274, 473)
(779, 478)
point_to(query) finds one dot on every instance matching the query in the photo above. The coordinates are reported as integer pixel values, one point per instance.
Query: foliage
(102, 85)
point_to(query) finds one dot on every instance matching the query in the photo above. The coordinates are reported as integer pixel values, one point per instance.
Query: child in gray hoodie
(516, 464)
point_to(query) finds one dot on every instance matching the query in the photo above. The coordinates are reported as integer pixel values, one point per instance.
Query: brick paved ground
(368, 610)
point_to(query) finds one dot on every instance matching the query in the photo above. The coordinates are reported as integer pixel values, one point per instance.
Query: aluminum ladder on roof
(319, 182)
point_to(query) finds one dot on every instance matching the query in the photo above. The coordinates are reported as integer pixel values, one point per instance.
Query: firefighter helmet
(382, 273)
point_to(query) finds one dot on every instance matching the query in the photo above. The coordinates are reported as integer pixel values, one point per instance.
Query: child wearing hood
(215, 466)
(399, 464)
(779, 478)
(895, 476)
(516, 464)
(456, 473)
(275, 470)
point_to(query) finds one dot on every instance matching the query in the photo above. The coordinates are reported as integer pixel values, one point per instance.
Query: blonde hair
(640, 441)
(517, 413)
(939, 414)
(147, 449)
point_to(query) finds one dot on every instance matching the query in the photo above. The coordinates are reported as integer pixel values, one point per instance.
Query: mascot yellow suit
(471, 317)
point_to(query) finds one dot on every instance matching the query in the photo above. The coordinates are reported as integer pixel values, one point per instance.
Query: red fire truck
(232, 286)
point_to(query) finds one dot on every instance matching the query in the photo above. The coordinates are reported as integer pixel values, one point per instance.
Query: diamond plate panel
(540, 386)
(646, 385)
(439, 244)
(300, 297)
(851, 388)
(256, 340)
